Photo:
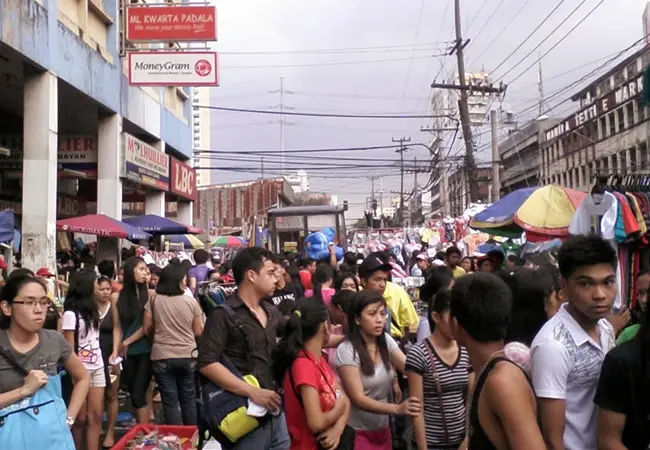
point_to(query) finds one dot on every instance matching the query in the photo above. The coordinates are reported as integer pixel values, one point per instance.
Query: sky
(380, 57)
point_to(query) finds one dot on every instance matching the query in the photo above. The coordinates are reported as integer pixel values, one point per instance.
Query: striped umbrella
(189, 241)
(229, 241)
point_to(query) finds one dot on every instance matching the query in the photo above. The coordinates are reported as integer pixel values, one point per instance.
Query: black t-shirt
(284, 300)
(621, 389)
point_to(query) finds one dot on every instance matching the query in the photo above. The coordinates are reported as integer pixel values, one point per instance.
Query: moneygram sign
(173, 69)
(171, 23)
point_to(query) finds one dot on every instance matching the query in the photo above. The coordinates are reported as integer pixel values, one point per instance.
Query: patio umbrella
(228, 241)
(543, 212)
(156, 225)
(189, 241)
(101, 225)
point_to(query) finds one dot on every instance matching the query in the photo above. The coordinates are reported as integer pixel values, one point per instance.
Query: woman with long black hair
(135, 347)
(322, 280)
(365, 362)
(316, 409)
(80, 324)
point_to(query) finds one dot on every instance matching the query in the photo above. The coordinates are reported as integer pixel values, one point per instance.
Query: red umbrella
(101, 225)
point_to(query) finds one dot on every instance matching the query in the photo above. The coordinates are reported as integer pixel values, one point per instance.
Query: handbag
(38, 421)
(224, 414)
(346, 441)
(436, 379)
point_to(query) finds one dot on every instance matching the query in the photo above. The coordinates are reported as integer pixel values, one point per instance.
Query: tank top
(106, 332)
(478, 439)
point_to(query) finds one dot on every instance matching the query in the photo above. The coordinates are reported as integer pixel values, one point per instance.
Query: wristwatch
(69, 421)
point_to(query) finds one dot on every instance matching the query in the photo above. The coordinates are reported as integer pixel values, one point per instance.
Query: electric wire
(337, 63)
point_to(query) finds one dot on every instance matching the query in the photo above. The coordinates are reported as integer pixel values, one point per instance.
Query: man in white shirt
(568, 352)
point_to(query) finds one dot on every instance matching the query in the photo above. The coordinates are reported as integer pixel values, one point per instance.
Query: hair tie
(298, 313)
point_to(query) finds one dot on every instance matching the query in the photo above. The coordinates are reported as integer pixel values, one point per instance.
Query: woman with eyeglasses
(24, 302)
(80, 325)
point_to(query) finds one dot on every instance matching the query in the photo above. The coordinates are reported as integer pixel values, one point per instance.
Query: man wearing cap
(374, 272)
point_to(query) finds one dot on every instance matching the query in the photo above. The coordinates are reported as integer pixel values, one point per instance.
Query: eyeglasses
(43, 303)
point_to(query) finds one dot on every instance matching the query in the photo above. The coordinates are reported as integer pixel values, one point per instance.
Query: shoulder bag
(38, 421)
(223, 414)
(436, 379)
(346, 442)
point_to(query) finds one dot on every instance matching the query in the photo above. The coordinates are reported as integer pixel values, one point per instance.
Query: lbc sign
(183, 182)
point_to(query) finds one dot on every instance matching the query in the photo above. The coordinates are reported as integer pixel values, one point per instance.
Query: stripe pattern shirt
(453, 384)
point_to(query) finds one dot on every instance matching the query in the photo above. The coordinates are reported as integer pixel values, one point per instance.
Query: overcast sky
(320, 48)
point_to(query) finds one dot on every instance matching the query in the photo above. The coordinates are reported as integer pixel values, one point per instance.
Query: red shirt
(317, 374)
(305, 279)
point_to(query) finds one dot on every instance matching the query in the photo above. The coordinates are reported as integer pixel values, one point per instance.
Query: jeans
(177, 386)
(273, 435)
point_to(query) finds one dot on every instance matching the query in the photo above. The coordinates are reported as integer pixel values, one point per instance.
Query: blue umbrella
(502, 212)
(156, 225)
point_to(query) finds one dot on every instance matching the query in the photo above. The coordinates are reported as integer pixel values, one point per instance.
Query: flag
(255, 239)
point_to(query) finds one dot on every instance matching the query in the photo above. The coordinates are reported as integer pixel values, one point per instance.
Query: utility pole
(540, 87)
(373, 200)
(262, 168)
(401, 151)
(381, 202)
(463, 109)
(496, 160)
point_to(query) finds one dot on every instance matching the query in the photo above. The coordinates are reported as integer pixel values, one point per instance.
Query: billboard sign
(171, 23)
(191, 68)
(144, 164)
(183, 180)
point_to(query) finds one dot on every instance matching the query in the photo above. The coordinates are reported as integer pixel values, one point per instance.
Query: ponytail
(303, 324)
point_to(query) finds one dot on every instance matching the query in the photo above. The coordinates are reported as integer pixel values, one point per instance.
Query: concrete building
(201, 135)
(73, 124)
(458, 195)
(608, 133)
(521, 162)
(299, 181)
(445, 101)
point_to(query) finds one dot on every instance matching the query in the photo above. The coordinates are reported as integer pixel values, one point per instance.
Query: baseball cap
(422, 257)
(44, 272)
(372, 264)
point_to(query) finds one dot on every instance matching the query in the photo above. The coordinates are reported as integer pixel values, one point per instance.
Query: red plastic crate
(176, 430)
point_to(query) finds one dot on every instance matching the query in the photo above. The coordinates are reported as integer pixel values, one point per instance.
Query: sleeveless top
(478, 439)
(106, 332)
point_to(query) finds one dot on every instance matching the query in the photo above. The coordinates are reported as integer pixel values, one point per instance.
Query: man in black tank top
(503, 413)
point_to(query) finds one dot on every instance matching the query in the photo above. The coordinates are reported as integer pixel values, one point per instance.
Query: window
(620, 112)
(612, 123)
(629, 112)
(88, 20)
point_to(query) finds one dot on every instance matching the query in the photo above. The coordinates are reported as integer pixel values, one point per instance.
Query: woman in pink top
(323, 280)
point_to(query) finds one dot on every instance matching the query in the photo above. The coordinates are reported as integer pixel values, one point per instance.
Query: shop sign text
(610, 101)
(183, 180)
(78, 153)
(66, 206)
(144, 164)
(184, 68)
(171, 23)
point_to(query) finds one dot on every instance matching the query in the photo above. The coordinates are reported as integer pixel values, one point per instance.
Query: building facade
(71, 123)
(608, 134)
(299, 181)
(458, 194)
(520, 155)
(201, 135)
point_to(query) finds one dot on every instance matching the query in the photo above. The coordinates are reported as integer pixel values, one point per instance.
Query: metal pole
(282, 125)
(463, 110)
(262, 164)
(496, 182)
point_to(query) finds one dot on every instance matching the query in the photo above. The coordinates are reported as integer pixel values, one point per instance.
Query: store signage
(183, 180)
(610, 101)
(66, 206)
(144, 164)
(173, 69)
(171, 23)
(78, 153)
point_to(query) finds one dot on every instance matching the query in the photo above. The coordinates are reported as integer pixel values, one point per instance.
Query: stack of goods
(157, 440)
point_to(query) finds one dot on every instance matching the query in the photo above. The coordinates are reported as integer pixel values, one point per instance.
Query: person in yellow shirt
(375, 273)
(453, 256)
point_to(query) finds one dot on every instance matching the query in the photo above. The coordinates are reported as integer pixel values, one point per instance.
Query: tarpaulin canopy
(542, 212)
(101, 225)
(157, 225)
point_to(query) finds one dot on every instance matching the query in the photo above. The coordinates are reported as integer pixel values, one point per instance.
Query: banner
(171, 23)
(144, 164)
(183, 182)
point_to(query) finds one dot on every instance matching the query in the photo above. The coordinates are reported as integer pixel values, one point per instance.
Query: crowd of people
(327, 355)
